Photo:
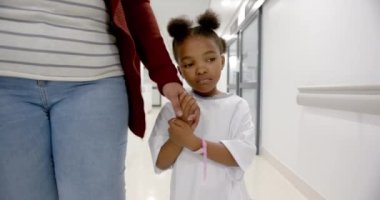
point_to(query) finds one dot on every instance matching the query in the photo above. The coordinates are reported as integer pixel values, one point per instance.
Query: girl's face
(200, 63)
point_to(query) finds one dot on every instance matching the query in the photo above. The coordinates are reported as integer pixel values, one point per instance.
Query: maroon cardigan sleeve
(138, 38)
(150, 46)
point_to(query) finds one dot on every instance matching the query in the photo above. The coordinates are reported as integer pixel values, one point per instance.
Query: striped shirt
(64, 40)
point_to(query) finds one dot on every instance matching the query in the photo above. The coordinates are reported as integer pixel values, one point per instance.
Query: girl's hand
(173, 91)
(182, 134)
(190, 110)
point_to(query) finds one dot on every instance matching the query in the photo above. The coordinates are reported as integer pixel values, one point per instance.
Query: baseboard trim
(296, 181)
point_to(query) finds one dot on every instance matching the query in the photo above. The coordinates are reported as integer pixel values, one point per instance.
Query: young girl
(209, 161)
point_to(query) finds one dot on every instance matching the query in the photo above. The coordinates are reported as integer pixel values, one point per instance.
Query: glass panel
(250, 58)
(233, 65)
(251, 97)
(250, 52)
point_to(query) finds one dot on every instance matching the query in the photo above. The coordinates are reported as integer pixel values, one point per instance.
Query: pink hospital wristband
(203, 151)
(204, 148)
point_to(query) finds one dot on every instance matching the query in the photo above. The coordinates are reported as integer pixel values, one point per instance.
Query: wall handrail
(354, 98)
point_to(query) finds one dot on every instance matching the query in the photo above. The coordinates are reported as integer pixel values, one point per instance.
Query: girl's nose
(201, 70)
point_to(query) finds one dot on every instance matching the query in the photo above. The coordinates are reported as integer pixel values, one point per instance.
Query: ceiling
(227, 11)
(167, 9)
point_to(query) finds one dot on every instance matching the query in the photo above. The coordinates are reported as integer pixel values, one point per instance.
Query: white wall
(324, 42)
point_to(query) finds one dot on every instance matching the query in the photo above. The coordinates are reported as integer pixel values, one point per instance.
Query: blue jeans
(62, 140)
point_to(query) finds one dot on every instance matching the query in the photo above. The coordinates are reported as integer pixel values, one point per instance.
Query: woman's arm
(149, 43)
(152, 52)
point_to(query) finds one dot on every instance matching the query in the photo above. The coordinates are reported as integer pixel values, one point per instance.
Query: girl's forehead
(198, 41)
(197, 38)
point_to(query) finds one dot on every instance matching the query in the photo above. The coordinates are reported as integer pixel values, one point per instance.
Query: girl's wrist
(196, 144)
(174, 144)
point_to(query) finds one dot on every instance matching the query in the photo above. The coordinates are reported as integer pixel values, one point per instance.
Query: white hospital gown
(224, 119)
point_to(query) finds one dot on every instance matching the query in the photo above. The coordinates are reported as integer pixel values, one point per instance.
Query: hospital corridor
(310, 71)
(280, 99)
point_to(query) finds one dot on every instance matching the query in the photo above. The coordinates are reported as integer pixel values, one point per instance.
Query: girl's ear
(223, 60)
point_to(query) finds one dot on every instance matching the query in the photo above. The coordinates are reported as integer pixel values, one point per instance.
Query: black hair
(180, 29)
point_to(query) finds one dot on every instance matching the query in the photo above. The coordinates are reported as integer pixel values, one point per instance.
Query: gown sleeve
(160, 134)
(242, 142)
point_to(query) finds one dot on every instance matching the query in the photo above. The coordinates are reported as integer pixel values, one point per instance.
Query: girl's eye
(211, 59)
(188, 65)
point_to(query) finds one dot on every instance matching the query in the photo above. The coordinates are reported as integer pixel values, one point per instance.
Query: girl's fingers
(195, 118)
(190, 108)
(188, 101)
(182, 96)
(171, 120)
(175, 123)
(185, 101)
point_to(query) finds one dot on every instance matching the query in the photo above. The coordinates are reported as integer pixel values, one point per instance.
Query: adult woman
(67, 87)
